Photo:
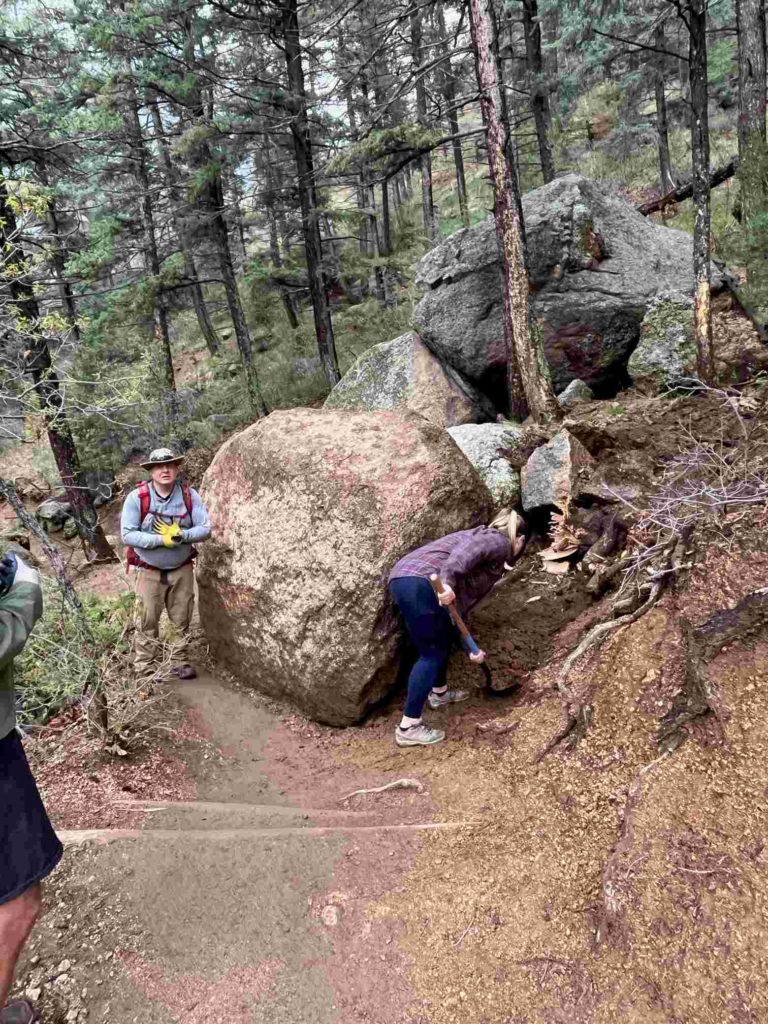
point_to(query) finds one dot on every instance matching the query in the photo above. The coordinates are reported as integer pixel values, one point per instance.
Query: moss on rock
(666, 352)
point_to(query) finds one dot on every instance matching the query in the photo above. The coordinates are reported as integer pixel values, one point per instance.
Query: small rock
(53, 514)
(63, 967)
(575, 394)
(33, 994)
(330, 916)
(70, 529)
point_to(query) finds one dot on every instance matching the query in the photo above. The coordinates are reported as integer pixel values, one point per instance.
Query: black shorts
(29, 848)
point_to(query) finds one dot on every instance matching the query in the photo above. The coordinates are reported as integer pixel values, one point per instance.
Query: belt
(164, 572)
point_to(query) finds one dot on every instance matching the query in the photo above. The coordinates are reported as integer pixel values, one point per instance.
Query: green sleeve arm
(20, 609)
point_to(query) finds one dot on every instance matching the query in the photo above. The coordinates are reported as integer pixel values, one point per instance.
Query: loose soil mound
(610, 880)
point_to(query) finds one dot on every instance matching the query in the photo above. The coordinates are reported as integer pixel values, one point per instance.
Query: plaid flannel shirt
(469, 561)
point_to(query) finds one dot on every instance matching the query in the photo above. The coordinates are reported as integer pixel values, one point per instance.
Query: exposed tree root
(702, 643)
(578, 713)
(619, 867)
(397, 784)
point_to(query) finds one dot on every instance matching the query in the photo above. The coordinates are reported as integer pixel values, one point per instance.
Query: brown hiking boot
(182, 672)
(19, 1012)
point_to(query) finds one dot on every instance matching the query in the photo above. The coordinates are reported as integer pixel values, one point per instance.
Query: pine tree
(528, 377)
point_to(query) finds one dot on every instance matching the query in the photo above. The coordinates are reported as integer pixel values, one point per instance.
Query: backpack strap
(187, 495)
(145, 501)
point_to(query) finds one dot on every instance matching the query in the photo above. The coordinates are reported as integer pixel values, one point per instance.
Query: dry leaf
(557, 568)
(553, 554)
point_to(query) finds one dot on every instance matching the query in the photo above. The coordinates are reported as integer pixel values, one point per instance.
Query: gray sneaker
(439, 700)
(418, 736)
(19, 1012)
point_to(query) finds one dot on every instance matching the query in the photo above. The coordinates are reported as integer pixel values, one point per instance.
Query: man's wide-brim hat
(161, 457)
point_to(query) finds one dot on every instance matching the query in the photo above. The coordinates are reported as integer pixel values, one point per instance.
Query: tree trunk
(138, 159)
(242, 334)
(527, 367)
(666, 181)
(697, 58)
(425, 161)
(753, 152)
(449, 95)
(386, 225)
(212, 200)
(538, 87)
(56, 257)
(750, 32)
(40, 367)
(275, 254)
(302, 148)
(198, 300)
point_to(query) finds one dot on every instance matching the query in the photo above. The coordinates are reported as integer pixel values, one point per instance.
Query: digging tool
(469, 640)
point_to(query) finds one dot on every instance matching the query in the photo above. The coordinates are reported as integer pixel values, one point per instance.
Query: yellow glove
(171, 534)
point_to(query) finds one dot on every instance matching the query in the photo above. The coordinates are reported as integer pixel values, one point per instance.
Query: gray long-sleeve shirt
(139, 534)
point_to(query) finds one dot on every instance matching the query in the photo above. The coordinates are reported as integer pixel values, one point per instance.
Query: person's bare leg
(17, 918)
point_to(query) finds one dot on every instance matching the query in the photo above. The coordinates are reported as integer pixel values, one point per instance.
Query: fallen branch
(685, 191)
(397, 784)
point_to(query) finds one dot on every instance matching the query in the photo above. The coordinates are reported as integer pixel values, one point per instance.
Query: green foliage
(605, 98)
(383, 146)
(57, 660)
(100, 252)
(722, 70)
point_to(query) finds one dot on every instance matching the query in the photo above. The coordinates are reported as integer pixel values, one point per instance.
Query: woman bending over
(470, 564)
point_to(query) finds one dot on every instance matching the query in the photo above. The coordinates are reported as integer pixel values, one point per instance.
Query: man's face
(165, 475)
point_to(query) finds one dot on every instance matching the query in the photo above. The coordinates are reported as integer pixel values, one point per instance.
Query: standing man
(161, 520)
(29, 848)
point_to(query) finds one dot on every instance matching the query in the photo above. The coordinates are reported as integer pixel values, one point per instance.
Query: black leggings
(430, 639)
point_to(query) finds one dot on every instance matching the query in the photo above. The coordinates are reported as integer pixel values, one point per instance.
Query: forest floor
(217, 872)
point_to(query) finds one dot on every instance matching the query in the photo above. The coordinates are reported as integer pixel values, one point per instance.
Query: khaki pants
(174, 591)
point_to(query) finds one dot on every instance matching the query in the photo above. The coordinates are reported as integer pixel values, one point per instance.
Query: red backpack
(145, 502)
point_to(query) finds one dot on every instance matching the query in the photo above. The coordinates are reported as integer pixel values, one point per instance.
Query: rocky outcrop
(555, 472)
(480, 443)
(595, 266)
(310, 509)
(403, 374)
(666, 353)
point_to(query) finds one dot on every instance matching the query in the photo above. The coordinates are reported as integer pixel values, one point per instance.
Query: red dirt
(80, 785)
(190, 999)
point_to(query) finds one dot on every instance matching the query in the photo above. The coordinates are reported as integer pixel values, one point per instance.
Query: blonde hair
(508, 521)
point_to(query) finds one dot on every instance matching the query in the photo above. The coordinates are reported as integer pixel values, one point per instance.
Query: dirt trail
(246, 904)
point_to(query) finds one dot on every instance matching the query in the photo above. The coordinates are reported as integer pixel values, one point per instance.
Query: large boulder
(666, 353)
(480, 443)
(310, 509)
(403, 374)
(595, 265)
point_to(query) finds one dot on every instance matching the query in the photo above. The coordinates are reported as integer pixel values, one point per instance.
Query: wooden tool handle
(438, 587)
